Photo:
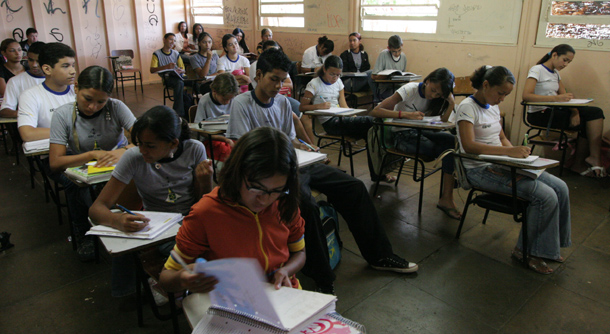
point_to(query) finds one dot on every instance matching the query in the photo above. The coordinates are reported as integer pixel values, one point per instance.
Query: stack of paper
(90, 174)
(159, 223)
(334, 110)
(36, 146)
(306, 158)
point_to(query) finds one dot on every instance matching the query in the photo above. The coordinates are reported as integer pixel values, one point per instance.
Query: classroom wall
(100, 26)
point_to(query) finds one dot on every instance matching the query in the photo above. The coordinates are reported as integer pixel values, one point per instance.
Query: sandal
(535, 263)
(451, 212)
(591, 172)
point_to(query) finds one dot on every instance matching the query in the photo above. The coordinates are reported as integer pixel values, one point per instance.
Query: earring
(171, 155)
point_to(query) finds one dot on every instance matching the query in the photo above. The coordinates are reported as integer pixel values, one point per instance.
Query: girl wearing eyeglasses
(252, 213)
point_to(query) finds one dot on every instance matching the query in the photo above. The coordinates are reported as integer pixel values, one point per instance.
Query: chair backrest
(192, 113)
(117, 53)
(463, 86)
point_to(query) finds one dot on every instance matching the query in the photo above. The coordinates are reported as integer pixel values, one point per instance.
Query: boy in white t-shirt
(36, 105)
(23, 81)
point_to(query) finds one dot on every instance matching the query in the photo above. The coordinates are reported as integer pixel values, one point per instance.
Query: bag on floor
(330, 226)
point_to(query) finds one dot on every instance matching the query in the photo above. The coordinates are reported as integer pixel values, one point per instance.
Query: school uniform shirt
(355, 62)
(198, 61)
(324, 92)
(17, 85)
(486, 122)
(228, 65)
(104, 129)
(168, 188)
(181, 42)
(217, 229)
(210, 108)
(311, 59)
(37, 104)
(160, 58)
(249, 113)
(547, 83)
(253, 74)
(413, 99)
(386, 62)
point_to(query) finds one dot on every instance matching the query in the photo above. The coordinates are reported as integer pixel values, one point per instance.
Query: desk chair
(346, 144)
(192, 112)
(392, 157)
(168, 93)
(122, 75)
(463, 87)
(13, 134)
(488, 200)
(542, 138)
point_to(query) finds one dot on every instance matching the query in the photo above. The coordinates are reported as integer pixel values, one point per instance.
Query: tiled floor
(463, 286)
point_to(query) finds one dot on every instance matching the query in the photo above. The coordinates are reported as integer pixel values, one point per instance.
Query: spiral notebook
(242, 302)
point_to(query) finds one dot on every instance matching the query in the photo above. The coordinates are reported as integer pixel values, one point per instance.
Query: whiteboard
(482, 21)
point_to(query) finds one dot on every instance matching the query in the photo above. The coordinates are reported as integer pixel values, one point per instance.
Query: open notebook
(527, 160)
(159, 223)
(242, 302)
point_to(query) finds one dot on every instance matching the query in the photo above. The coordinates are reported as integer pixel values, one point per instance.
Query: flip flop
(535, 263)
(451, 212)
(389, 179)
(590, 172)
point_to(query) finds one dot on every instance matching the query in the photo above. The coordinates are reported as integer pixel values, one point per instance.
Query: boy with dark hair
(390, 59)
(23, 81)
(264, 107)
(167, 58)
(36, 105)
(32, 37)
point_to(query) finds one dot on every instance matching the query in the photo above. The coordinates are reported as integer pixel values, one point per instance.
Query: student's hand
(109, 158)
(564, 97)
(414, 115)
(127, 222)
(180, 71)
(229, 142)
(574, 119)
(281, 278)
(519, 152)
(170, 66)
(197, 282)
(208, 55)
(325, 105)
(306, 148)
(450, 98)
(204, 170)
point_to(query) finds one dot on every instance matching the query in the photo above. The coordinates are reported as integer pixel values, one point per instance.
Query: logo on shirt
(172, 197)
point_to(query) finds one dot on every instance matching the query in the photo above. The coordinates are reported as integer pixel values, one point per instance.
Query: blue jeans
(177, 85)
(548, 214)
(431, 144)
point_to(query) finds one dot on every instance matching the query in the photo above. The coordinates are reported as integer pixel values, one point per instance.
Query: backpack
(330, 226)
(459, 172)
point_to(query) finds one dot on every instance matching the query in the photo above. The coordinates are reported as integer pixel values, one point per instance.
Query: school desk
(418, 158)
(209, 131)
(10, 124)
(404, 80)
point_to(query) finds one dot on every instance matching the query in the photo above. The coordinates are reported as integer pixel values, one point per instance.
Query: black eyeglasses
(263, 192)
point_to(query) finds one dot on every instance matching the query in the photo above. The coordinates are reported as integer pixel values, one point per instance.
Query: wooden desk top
(421, 125)
(213, 129)
(5, 120)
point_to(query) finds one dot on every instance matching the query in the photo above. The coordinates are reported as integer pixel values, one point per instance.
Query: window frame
(404, 35)
(280, 28)
(195, 4)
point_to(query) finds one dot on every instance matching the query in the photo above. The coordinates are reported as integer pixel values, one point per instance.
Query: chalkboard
(484, 21)
(326, 17)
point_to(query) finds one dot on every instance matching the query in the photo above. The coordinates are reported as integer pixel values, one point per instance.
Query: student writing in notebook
(480, 132)
(252, 213)
(544, 84)
(170, 172)
(415, 100)
(89, 128)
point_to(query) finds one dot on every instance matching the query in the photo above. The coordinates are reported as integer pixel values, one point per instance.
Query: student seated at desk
(356, 60)
(31, 35)
(391, 59)
(314, 57)
(266, 35)
(264, 107)
(233, 63)
(480, 132)
(205, 61)
(194, 41)
(170, 172)
(20, 83)
(217, 103)
(36, 105)
(414, 101)
(11, 51)
(254, 212)
(544, 84)
(168, 59)
(90, 128)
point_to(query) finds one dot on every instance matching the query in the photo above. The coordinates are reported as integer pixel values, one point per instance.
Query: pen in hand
(309, 146)
(179, 259)
(124, 209)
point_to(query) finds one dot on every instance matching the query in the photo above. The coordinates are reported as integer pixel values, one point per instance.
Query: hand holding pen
(308, 147)
(194, 282)
(129, 221)
(325, 104)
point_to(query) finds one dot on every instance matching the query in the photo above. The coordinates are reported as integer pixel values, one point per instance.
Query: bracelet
(399, 114)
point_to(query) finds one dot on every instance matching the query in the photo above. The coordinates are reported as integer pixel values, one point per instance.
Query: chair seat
(129, 70)
(496, 202)
(422, 157)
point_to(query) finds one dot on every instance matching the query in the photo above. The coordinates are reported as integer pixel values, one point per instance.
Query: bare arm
(529, 96)
(203, 178)
(100, 210)
(342, 102)
(7, 112)
(2, 86)
(306, 103)
(471, 146)
(300, 129)
(385, 109)
(30, 133)
(295, 262)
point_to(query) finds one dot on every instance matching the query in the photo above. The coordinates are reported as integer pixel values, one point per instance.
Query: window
(282, 13)
(208, 11)
(582, 24)
(402, 16)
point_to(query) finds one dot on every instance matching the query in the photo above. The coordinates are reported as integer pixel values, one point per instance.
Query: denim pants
(177, 85)
(431, 144)
(548, 214)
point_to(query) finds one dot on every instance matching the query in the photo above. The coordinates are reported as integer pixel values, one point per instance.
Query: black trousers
(351, 199)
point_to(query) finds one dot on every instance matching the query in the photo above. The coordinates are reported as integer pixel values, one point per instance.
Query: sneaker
(395, 263)
(327, 289)
(86, 250)
(157, 292)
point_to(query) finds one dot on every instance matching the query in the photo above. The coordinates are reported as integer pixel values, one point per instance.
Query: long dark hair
(242, 42)
(326, 44)
(331, 61)
(164, 123)
(96, 77)
(196, 38)
(187, 28)
(260, 154)
(357, 35)
(495, 75)
(445, 79)
(560, 49)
